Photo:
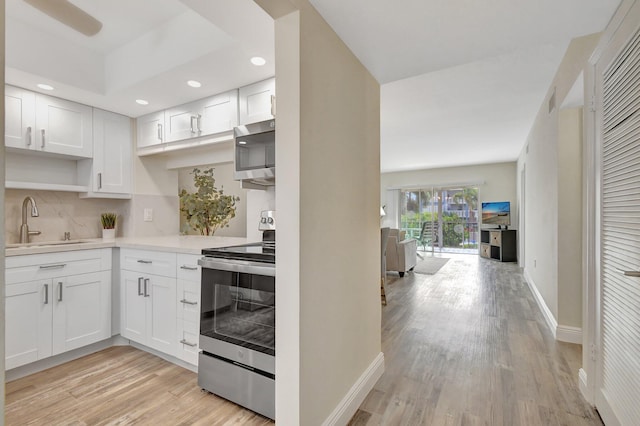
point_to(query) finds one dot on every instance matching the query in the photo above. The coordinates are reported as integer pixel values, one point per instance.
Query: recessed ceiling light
(142, 102)
(45, 86)
(258, 61)
(194, 83)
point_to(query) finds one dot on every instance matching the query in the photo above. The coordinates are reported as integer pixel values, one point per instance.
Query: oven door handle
(238, 266)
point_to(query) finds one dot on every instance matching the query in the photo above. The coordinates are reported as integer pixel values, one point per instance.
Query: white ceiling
(145, 50)
(461, 81)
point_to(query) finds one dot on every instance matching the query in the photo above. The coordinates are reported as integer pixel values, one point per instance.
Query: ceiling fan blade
(68, 14)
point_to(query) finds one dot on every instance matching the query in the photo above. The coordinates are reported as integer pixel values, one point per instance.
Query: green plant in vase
(208, 208)
(108, 221)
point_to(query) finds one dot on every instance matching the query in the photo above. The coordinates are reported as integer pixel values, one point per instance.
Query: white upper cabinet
(150, 129)
(63, 127)
(20, 117)
(207, 116)
(43, 123)
(111, 173)
(257, 101)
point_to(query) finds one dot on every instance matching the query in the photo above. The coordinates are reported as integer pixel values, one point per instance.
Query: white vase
(108, 234)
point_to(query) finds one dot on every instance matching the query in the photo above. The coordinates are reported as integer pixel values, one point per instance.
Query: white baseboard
(356, 395)
(546, 313)
(566, 333)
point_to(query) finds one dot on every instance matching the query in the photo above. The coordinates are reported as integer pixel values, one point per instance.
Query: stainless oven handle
(242, 267)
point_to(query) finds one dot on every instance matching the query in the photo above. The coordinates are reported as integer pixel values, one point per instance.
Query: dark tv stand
(498, 244)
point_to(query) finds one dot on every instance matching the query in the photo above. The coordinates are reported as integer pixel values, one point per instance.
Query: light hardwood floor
(119, 386)
(469, 346)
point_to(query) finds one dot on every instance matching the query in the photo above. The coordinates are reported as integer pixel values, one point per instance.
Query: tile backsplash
(60, 212)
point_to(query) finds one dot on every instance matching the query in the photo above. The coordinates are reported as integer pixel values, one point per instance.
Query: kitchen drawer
(148, 262)
(485, 250)
(188, 300)
(188, 268)
(33, 267)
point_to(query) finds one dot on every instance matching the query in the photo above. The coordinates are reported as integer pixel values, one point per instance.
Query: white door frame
(592, 171)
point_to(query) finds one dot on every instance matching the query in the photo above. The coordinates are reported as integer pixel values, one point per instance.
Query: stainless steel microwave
(255, 152)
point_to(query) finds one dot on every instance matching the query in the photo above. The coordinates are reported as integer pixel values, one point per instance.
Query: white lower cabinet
(54, 305)
(188, 307)
(148, 308)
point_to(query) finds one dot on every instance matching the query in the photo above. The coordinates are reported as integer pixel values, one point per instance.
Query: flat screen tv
(496, 213)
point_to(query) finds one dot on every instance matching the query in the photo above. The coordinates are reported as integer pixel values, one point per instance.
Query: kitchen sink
(46, 243)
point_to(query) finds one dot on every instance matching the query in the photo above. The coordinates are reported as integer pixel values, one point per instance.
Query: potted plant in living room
(208, 208)
(108, 221)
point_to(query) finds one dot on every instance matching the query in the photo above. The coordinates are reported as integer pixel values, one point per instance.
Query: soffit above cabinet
(145, 50)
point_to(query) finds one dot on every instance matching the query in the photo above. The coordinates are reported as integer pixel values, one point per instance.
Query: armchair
(401, 253)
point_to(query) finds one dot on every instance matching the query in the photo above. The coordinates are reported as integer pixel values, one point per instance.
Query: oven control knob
(270, 220)
(263, 220)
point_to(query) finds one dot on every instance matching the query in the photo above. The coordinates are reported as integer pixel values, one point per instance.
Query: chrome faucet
(24, 228)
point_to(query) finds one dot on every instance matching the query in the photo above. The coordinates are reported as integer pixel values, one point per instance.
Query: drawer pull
(189, 268)
(185, 342)
(60, 265)
(146, 284)
(188, 302)
(140, 286)
(59, 291)
(147, 262)
(46, 294)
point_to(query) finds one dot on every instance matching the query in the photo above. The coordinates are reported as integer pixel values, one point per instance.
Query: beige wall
(570, 217)
(543, 160)
(495, 182)
(327, 150)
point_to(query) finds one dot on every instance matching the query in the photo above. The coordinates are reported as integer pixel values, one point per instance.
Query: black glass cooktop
(257, 252)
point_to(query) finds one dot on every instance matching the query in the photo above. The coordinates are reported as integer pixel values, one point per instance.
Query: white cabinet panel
(28, 310)
(19, 124)
(112, 156)
(257, 101)
(161, 314)
(204, 117)
(133, 307)
(82, 310)
(63, 127)
(150, 129)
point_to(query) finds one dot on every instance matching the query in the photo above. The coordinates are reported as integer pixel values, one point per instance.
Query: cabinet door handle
(632, 273)
(99, 180)
(146, 284)
(140, 286)
(188, 302)
(198, 123)
(46, 294)
(59, 291)
(42, 146)
(189, 268)
(146, 262)
(160, 132)
(193, 117)
(29, 136)
(185, 342)
(273, 105)
(59, 265)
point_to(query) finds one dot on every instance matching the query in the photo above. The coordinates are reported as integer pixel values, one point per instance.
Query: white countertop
(189, 244)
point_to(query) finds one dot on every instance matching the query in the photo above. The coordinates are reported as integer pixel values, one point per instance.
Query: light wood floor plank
(469, 346)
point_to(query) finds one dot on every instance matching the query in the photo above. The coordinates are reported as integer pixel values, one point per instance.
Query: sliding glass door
(441, 219)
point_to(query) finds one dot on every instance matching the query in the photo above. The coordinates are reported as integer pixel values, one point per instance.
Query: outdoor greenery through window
(441, 219)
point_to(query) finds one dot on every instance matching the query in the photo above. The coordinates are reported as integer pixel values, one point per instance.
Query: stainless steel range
(237, 322)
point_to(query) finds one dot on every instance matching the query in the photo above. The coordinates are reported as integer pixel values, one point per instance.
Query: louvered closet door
(618, 381)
